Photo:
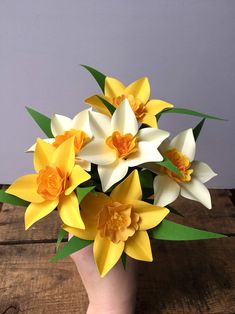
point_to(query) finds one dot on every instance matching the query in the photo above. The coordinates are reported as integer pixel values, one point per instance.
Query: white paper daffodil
(168, 185)
(118, 144)
(63, 128)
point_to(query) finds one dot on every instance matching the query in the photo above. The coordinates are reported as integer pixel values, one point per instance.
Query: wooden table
(185, 277)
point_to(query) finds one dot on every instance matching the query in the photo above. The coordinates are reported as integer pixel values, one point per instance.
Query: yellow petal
(113, 87)
(150, 215)
(26, 188)
(87, 234)
(155, 106)
(139, 247)
(128, 190)
(139, 89)
(43, 154)
(77, 176)
(64, 156)
(106, 253)
(97, 104)
(69, 211)
(150, 120)
(36, 211)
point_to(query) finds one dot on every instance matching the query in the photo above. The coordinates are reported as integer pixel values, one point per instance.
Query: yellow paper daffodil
(118, 223)
(53, 184)
(137, 93)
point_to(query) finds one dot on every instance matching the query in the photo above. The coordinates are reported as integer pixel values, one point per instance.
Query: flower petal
(150, 120)
(155, 136)
(81, 122)
(64, 156)
(202, 171)
(147, 152)
(47, 140)
(139, 247)
(69, 211)
(97, 104)
(100, 125)
(197, 191)
(150, 215)
(166, 190)
(128, 190)
(155, 106)
(60, 124)
(86, 165)
(98, 152)
(113, 87)
(36, 211)
(87, 234)
(124, 119)
(106, 253)
(185, 143)
(112, 173)
(26, 188)
(139, 89)
(43, 154)
(77, 176)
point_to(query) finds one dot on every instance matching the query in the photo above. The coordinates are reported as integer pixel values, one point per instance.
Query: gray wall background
(185, 47)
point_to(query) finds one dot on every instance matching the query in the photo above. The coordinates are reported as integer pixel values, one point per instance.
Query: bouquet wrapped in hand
(111, 173)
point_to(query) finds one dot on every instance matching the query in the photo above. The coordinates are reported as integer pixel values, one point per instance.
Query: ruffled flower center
(118, 222)
(181, 162)
(80, 139)
(51, 183)
(137, 106)
(124, 144)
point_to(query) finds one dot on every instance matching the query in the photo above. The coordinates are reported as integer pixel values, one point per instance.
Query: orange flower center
(51, 183)
(181, 162)
(80, 139)
(137, 106)
(118, 222)
(124, 144)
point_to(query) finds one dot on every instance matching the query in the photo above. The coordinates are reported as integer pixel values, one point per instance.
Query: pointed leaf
(82, 192)
(73, 245)
(11, 199)
(110, 107)
(123, 258)
(197, 129)
(146, 179)
(62, 233)
(42, 121)
(174, 211)
(169, 230)
(169, 165)
(98, 76)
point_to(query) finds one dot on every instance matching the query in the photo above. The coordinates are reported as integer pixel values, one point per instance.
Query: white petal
(60, 124)
(197, 191)
(48, 140)
(86, 165)
(81, 122)
(185, 143)
(154, 136)
(166, 190)
(97, 152)
(147, 152)
(124, 119)
(100, 124)
(202, 171)
(112, 173)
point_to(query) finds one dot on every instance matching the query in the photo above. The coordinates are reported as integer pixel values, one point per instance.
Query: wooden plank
(185, 277)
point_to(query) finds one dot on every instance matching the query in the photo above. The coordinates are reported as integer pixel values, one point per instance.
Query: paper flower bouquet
(111, 173)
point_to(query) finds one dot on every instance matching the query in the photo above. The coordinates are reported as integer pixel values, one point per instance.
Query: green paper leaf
(42, 121)
(98, 76)
(123, 258)
(62, 233)
(82, 192)
(174, 211)
(73, 245)
(11, 199)
(169, 165)
(189, 112)
(110, 107)
(169, 230)
(197, 129)
(146, 179)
